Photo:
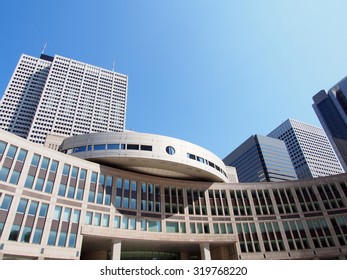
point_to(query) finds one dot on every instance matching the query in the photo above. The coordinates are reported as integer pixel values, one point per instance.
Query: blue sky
(209, 72)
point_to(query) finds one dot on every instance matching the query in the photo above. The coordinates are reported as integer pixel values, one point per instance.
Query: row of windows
(100, 147)
(207, 162)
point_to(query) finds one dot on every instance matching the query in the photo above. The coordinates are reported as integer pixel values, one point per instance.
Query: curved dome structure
(148, 154)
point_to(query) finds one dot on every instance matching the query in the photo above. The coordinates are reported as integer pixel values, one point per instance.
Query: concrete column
(205, 251)
(1, 256)
(116, 249)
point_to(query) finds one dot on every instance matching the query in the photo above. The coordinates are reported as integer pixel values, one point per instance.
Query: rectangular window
(49, 187)
(43, 210)
(154, 226)
(6, 203)
(76, 216)
(33, 208)
(105, 220)
(22, 206)
(15, 177)
(89, 218)
(29, 182)
(124, 223)
(37, 236)
(91, 196)
(11, 152)
(112, 146)
(99, 147)
(79, 194)
(54, 166)
(35, 160)
(72, 240)
(62, 239)
(116, 222)
(57, 213)
(26, 234)
(74, 172)
(67, 215)
(22, 155)
(132, 147)
(14, 233)
(66, 170)
(4, 173)
(39, 184)
(44, 163)
(62, 190)
(52, 237)
(71, 192)
(132, 224)
(97, 219)
(83, 174)
(146, 148)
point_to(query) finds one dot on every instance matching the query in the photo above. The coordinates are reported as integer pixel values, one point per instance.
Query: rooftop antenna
(114, 65)
(44, 48)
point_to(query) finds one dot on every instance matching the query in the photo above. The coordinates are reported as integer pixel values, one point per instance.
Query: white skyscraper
(309, 149)
(62, 97)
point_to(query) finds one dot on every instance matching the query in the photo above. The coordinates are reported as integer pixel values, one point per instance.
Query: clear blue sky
(209, 72)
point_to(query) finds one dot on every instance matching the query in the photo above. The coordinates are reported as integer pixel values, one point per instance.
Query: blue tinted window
(37, 236)
(99, 147)
(62, 190)
(72, 240)
(49, 187)
(170, 150)
(4, 173)
(29, 182)
(33, 208)
(39, 184)
(80, 149)
(83, 174)
(112, 146)
(6, 203)
(44, 163)
(22, 205)
(11, 151)
(2, 147)
(43, 210)
(22, 155)
(15, 177)
(54, 166)
(66, 169)
(94, 177)
(74, 172)
(35, 160)
(52, 237)
(79, 195)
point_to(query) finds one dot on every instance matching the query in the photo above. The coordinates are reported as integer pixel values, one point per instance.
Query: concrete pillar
(1, 256)
(205, 251)
(116, 249)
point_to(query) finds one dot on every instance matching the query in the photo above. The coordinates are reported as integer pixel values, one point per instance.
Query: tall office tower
(331, 109)
(63, 97)
(309, 149)
(261, 159)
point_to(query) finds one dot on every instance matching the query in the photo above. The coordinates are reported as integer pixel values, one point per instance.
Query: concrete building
(62, 97)
(309, 149)
(261, 159)
(140, 196)
(331, 110)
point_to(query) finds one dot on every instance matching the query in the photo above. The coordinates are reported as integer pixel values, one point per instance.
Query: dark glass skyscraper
(261, 159)
(331, 109)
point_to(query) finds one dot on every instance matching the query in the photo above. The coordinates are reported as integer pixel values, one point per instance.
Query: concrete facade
(56, 206)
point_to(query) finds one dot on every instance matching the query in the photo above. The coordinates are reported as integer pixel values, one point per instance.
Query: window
(72, 240)
(62, 190)
(22, 205)
(35, 160)
(97, 219)
(49, 186)
(67, 214)
(146, 148)
(33, 208)
(39, 184)
(76, 216)
(170, 150)
(14, 233)
(26, 234)
(37, 236)
(14, 177)
(57, 213)
(43, 210)
(11, 151)
(22, 155)
(105, 220)
(132, 147)
(29, 182)
(4, 173)
(99, 147)
(89, 217)
(52, 237)
(54, 166)
(66, 169)
(116, 222)
(112, 146)
(44, 163)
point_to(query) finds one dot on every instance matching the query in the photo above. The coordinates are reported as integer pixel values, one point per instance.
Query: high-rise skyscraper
(261, 159)
(63, 97)
(309, 149)
(331, 109)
